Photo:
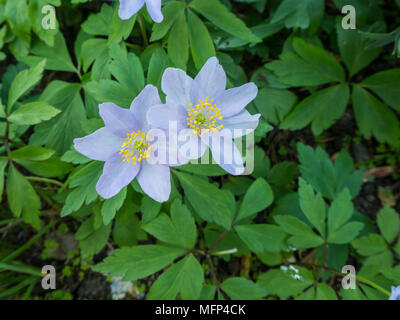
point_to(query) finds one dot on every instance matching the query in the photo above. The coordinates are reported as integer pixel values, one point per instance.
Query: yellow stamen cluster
(203, 117)
(136, 147)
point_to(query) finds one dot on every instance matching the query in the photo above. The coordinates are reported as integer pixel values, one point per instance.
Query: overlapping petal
(116, 175)
(141, 104)
(176, 84)
(161, 116)
(118, 120)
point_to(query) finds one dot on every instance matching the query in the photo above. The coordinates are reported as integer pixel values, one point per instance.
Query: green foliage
(326, 146)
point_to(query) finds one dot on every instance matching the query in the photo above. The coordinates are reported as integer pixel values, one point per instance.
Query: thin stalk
(27, 245)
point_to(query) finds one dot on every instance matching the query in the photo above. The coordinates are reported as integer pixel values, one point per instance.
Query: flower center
(136, 147)
(204, 117)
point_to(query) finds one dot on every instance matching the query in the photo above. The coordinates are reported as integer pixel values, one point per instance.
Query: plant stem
(40, 179)
(143, 31)
(26, 246)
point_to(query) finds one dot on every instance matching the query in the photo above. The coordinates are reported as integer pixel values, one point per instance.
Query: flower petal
(127, 8)
(116, 175)
(99, 145)
(118, 120)
(190, 145)
(142, 103)
(209, 82)
(232, 101)
(176, 84)
(225, 152)
(241, 123)
(155, 181)
(161, 115)
(154, 9)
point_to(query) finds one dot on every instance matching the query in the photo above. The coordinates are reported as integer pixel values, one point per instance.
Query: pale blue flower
(395, 293)
(204, 106)
(128, 8)
(124, 144)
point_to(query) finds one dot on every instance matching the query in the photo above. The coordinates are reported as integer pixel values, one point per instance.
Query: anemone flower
(395, 293)
(207, 112)
(128, 8)
(125, 145)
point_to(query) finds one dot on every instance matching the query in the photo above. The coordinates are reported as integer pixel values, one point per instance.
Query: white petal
(116, 175)
(209, 82)
(142, 103)
(234, 100)
(155, 181)
(119, 121)
(225, 152)
(99, 145)
(154, 9)
(242, 123)
(176, 84)
(128, 8)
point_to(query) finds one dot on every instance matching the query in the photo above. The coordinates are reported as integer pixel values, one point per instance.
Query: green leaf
(340, 211)
(150, 209)
(370, 245)
(306, 14)
(59, 132)
(326, 177)
(303, 236)
(219, 15)
(209, 202)
(24, 82)
(178, 43)
(258, 197)
(16, 14)
(52, 167)
(210, 170)
(127, 69)
(138, 262)
(3, 165)
(185, 277)
(158, 63)
(22, 198)
(389, 223)
(112, 205)
(85, 181)
(179, 230)
(375, 118)
(321, 109)
(275, 104)
(325, 292)
(313, 206)
(33, 113)
(307, 65)
(201, 44)
(127, 228)
(31, 153)
(171, 11)
(57, 57)
(243, 289)
(386, 85)
(287, 281)
(345, 233)
(355, 49)
(92, 240)
(261, 237)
